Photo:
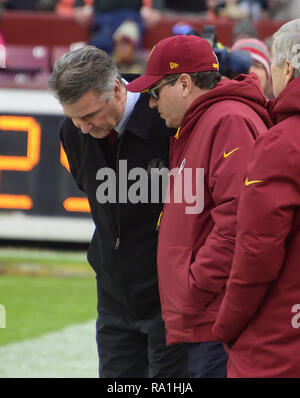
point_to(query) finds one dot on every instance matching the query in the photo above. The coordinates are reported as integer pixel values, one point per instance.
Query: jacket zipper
(117, 243)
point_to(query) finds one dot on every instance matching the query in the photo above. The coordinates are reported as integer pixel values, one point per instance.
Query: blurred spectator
(213, 8)
(243, 29)
(67, 7)
(269, 42)
(107, 16)
(2, 52)
(187, 6)
(261, 56)
(231, 63)
(21, 4)
(47, 5)
(64, 7)
(151, 12)
(2, 42)
(284, 9)
(256, 9)
(150, 16)
(2, 5)
(84, 11)
(126, 55)
(232, 10)
(237, 9)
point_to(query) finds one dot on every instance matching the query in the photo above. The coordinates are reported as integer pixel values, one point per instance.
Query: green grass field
(44, 291)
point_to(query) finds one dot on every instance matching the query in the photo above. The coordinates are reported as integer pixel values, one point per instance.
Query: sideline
(68, 353)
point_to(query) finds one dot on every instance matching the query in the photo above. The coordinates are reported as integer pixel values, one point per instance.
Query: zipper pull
(158, 222)
(117, 244)
(177, 133)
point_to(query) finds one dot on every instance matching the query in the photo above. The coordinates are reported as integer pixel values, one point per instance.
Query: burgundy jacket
(195, 247)
(260, 312)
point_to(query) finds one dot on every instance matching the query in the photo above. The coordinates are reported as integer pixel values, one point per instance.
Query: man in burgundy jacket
(218, 121)
(260, 314)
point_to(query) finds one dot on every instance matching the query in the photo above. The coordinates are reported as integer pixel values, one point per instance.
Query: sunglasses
(154, 92)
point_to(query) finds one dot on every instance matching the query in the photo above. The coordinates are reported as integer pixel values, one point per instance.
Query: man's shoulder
(69, 130)
(149, 118)
(231, 107)
(285, 133)
(72, 138)
(129, 77)
(68, 126)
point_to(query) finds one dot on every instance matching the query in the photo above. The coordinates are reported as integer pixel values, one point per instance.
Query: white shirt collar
(131, 100)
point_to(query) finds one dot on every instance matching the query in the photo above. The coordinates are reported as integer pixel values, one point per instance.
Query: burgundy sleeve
(233, 141)
(265, 216)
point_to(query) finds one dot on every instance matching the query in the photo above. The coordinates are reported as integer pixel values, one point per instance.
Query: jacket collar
(140, 120)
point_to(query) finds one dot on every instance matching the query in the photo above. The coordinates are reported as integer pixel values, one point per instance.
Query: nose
(85, 126)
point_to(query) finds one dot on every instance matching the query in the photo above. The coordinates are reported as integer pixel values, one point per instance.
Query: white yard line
(68, 353)
(42, 254)
(42, 228)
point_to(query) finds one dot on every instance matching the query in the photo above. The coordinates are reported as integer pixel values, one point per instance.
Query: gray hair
(78, 72)
(286, 45)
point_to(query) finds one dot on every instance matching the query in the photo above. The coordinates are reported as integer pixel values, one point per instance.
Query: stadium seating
(25, 65)
(50, 29)
(35, 40)
(57, 52)
(26, 58)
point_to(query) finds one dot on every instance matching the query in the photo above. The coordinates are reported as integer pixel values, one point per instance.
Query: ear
(186, 83)
(289, 72)
(117, 90)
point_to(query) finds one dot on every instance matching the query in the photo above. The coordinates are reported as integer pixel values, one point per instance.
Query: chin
(170, 124)
(99, 134)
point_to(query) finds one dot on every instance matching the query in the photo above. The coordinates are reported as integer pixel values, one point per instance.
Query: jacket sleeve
(233, 140)
(265, 218)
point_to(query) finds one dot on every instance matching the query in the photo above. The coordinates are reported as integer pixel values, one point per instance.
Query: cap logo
(173, 65)
(216, 65)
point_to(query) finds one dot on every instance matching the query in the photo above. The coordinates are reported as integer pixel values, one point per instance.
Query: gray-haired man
(130, 331)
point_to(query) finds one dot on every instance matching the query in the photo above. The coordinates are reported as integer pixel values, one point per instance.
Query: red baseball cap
(176, 54)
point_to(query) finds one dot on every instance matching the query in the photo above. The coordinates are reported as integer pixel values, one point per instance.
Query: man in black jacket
(111, 137)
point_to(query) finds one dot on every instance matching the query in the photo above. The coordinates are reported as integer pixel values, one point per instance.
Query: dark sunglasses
(154, 93)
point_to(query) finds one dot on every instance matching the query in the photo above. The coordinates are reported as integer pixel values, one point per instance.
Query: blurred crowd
(234, 9)
(118, 26)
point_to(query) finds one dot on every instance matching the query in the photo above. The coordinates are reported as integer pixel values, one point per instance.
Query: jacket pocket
(173, 265)
(202, 297)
